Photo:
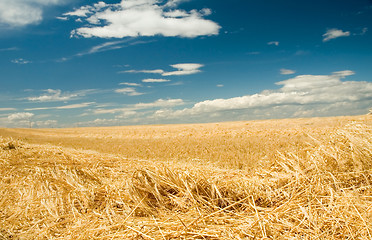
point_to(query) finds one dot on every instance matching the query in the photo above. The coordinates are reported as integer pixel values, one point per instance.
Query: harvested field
(274, 179)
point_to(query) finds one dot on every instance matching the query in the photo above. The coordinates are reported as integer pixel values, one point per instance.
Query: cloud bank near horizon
(300, 96)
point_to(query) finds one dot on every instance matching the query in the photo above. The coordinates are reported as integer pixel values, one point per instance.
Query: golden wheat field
(272, 179)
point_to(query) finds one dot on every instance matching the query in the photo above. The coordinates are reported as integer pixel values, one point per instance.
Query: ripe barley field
(272, 179)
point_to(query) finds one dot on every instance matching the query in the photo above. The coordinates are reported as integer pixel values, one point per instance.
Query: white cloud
(57, 95)
(21, 116)
(131, 84)
(254, 53)
(276, 43)
(302, 53)
(174, 3)
(300, 96)
(26, 119)
(156, 71)
(20, 61)
(7, 109)
(107, 46)
(9, 49)
(17, 13)
(304, 95)
(130, 109)
(334, 33)
(128, 91)
(128, 115)
(284, 71)
(62, 18)
(132, 114)
(46, 124)
(133, 18)
(362, 32)
(71, 106)
(179, 83)
(183, 69)
(220, 85)
(176, 13)
(108, 111)
(53, 95)
(206, 11)
(81, 12)
(343, 74)
(160, 103)
(313, 82)
(103, 47)
(152, 80)
(99, 122)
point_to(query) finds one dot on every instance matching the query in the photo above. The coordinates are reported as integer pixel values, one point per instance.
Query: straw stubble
(313, 181)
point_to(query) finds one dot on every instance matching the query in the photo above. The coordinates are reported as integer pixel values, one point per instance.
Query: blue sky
(66, 63)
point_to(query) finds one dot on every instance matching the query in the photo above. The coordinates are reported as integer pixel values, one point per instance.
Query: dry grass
(285, 179)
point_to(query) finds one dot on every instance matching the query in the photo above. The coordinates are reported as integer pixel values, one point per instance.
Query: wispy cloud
(151, 18)
(254, 53)
(131, 84)
(275, 43)
(46, 124)
(159, 103)
(155, 71)
(21, 61)
(133, 108)
(7, 109)
(9, 49)
(107, 111)
(362, 32)
(334, 33)
(106, 46)
(56, 95)
(152, 80)
(284, 71)
(62, 18)
(128, 91)
(179, 83)
(70, 106)
(302, 53)
(182, 69)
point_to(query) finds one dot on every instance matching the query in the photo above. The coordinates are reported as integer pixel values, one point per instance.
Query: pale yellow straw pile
(320, 188)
